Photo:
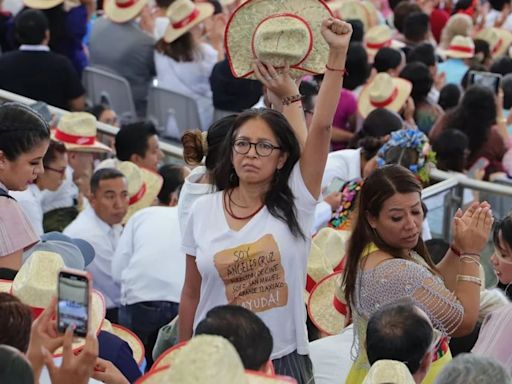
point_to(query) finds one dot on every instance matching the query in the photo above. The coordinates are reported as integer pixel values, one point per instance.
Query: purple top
(347, 106)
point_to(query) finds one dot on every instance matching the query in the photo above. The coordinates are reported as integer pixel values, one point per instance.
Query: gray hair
(472, 369)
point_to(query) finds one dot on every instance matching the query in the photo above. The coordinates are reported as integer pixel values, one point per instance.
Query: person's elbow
(467, 325)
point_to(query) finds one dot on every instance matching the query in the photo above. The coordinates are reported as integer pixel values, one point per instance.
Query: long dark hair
(279, 199)
(382, 184)
(183, 49)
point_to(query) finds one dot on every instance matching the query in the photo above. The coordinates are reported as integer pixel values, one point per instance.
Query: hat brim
(153, 183)
(506, 37)
(363, 14)
(404, 91)
(97, 147)
(451, 54)
(5, 286)
(84, 246)
(320, 305)
(122, 15)
(166, 358)
(395, 44)
(42, 4)
(133, 341)
(205, 11)
(245, 19)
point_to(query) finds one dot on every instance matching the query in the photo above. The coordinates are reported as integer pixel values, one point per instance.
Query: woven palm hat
(332, 243)
(378, 37)
(183, 15)
(352, 10)
(326, 306)
(77, 131)
(279, 32)
(461, 47)
(131, 338)
(499, 40)
(388, 371)
(121, 11)
(384, 91)
(36, 283)
(42, 4)
(208, 359)
(143, 185)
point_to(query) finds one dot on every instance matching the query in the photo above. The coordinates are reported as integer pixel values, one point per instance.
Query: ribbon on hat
(36, 311)
(186, 20)
(126, 4)
(135, 198)
(386, 102)
(386, 43)
(72, 139)
(497, 46)
(310, 283)
(339, 305)
(461, 48)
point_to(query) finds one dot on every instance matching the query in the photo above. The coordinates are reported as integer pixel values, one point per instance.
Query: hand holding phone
(74, 288)
(334, 186)
(478, 166)
(486, 79)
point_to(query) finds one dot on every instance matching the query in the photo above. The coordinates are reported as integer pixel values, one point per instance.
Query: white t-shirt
(331, 357)
(30, 202)
(261, 267)
(63, 197)
(148, 262)
(344, 164)
(493, 16)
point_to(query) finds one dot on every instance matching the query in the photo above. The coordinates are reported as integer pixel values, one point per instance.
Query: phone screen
(73, 302)
(334, 186)
(489, 80)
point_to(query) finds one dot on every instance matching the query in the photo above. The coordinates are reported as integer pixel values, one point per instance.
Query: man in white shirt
(100, 225)
(149, 265)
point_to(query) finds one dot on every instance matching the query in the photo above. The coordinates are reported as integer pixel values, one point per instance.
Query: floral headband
(349, 193)
(413, 139)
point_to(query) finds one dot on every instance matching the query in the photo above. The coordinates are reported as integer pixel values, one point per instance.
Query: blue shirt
(455, 70)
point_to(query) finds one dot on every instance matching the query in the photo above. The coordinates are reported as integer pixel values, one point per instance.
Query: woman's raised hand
(471, 230)
(336, 33)
(279, 82)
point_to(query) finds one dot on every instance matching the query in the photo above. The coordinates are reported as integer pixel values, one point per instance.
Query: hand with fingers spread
(106, 372)
(336, 33)
(278, 82)
(76, 369)
(471, 230)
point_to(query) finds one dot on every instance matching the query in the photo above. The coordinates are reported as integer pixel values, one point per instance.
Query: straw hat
(461, 47)
(131, 338)
(36, 283)
(279, 32)
(42, 4)
(143, 185)
(332, 243)
(384, 91)
(183, 15)
(352, 10)
(388, 372)
(121, 11)
(77, 130)
(326, 306)
(378, 37)
(209, 359)
(499, 40)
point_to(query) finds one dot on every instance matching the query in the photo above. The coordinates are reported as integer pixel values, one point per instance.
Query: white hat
(499, 40)
(121, 11)
(461, 47)
(378, 37)
(183, 15)
(388, 372)
(42, 4)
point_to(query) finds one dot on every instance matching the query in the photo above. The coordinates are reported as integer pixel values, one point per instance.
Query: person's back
(128, 51)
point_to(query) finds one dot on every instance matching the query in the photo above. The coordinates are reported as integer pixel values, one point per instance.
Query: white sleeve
(304, 200)
(323, 213)
(123, 253)
(188, 240)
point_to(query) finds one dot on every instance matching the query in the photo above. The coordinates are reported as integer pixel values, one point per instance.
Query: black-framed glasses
(263, 149)
(61, 171)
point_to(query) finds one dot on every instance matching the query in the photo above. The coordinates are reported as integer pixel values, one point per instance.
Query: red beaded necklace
(229, 210)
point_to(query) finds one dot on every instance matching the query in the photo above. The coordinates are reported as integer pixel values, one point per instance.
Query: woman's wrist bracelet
(343, 71)
(469, 259)
(455, 250)
(470, 279)
(291, 99)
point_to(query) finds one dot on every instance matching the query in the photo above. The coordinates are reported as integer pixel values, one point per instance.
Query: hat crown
(133, 176)
(490, 35)
(381, 88)
(36, 281)
(282, 39)
(78, 124)
(462, 41)
(389, 371)
(379, 34)
(180, 9)
(207, 359)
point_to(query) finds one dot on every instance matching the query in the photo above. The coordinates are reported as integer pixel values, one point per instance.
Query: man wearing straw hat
(120, 44)
(458, 54)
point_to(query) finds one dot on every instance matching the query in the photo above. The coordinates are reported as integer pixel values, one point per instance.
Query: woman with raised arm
(248, 243)
(388, 261)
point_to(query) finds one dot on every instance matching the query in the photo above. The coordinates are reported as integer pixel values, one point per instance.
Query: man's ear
(136, 159)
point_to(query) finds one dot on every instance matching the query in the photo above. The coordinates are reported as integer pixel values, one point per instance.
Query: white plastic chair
(103, 86)
(175, 113)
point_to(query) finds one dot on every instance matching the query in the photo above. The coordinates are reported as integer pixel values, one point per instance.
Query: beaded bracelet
(291, 99)
(470, 279)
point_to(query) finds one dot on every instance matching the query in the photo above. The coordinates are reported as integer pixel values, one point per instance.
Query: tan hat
(384, 91)
(133, 341)
(209, 359)
(461, 47)
(121, 11)
(35, 284)
(143, 185)
(326, 306)
(77, 131)
(279, 32)
(378, 37)
(42, 4)
(499, 40)
(183, 15)
(388, 372)
(352, 10)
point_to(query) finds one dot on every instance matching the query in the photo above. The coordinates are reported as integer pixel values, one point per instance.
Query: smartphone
(74, 289)
(334, 186)
(480, 164)
(486, 79)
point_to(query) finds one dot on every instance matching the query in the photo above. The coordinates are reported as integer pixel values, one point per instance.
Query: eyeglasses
(262, 148)
(60, 171)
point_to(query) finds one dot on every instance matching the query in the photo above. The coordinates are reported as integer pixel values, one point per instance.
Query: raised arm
(337, 34)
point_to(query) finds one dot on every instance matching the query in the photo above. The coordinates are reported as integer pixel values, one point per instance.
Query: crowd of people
(292, 244)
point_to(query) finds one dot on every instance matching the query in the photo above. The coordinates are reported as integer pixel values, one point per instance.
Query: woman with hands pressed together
(251, 248)
(388, 261)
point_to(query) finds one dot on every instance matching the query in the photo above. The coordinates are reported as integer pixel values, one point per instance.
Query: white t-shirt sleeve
(188, 240)
(124, 252)
(304, 200)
